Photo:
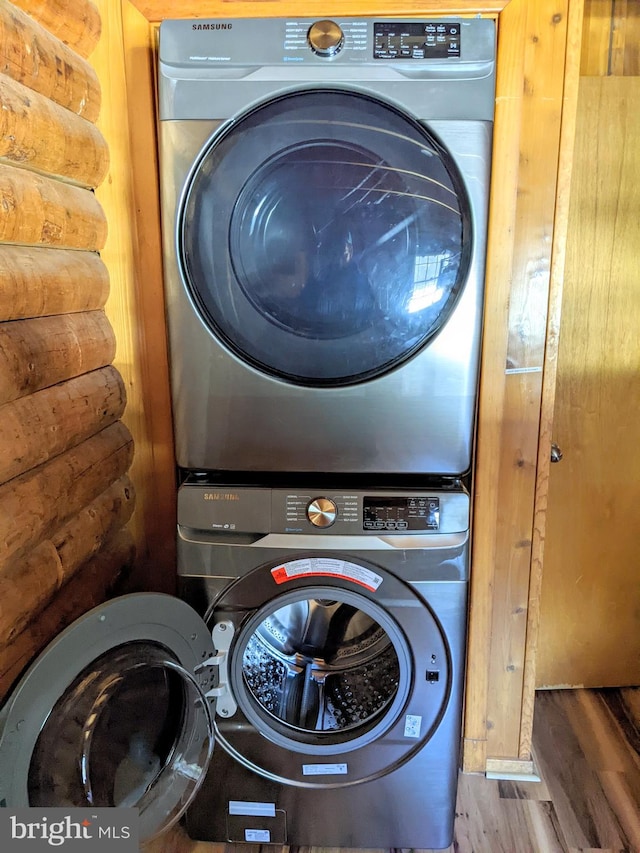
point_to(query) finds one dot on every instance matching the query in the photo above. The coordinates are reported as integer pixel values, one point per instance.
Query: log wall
(65, 495)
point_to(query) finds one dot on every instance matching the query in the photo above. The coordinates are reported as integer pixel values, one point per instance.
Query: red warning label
(327, 567)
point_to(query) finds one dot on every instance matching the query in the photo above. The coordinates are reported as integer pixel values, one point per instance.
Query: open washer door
(114, 713)
(339, 671)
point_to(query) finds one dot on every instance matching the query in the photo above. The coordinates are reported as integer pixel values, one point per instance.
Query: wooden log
(38, 427)
(28, 584)
(37, 503)
(37, 353)
(36, 282)
(88, 588)
(31, 55)
(46, 212)
(37, 133)
(76, 24)
(84, 535)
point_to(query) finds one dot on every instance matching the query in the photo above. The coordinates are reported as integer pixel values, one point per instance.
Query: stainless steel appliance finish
(328, 668)
(324, 200)
(113, 714)
(340, 714)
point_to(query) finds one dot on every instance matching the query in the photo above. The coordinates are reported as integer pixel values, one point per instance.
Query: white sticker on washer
(324, 769)
(412, 725)
(243, 807)
(327, 567)
(262, 835)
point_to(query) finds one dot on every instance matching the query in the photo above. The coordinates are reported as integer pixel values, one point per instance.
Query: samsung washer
(345, 611)
(324, 189)
(328, 667)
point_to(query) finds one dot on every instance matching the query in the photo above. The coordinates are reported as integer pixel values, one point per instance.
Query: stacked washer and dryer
(325, 188)
(324, 193)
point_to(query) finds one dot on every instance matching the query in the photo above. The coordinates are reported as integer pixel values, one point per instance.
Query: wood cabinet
(538, 52)
(590, 612)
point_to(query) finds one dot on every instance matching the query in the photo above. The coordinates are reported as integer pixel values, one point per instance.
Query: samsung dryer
(324, 191)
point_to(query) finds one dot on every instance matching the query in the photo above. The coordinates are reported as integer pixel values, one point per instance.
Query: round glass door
(324, 237)
(132, 730)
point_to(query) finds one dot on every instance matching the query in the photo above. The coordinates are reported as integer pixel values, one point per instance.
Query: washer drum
(321, 665)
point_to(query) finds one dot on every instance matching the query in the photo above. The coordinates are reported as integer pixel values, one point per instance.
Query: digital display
(401, 514)
(425, 40)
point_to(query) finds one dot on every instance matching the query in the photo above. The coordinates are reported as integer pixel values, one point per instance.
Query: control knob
(322, 512)
(325, 38)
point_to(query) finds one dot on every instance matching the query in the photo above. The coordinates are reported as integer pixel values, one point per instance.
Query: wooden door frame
(537, 71)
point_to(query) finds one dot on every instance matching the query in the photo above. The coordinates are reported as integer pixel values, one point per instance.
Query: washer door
(113, 713)
(324, 237)
(340, 671)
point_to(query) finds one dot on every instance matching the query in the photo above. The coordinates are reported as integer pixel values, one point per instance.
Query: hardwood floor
(587, 750)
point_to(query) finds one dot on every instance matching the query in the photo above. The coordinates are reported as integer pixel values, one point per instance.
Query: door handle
(556, 453)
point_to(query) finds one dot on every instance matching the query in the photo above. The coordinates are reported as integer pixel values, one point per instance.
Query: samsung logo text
(211, 26)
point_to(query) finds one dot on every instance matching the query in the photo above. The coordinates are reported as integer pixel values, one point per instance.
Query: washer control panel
(387, 512)
(415, 513)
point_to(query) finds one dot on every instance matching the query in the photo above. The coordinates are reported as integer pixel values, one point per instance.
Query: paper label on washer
(242, 807)
(327, 567)
(412, 725)
(262, 835)
(324, 769)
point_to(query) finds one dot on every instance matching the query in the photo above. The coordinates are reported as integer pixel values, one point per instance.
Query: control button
(322, 512)
(325, 38)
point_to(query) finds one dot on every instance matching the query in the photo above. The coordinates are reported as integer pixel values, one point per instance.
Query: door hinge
(222, 635)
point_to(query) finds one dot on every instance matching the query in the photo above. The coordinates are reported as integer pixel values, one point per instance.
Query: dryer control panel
(218, 42)
(322, 511)
(254, 58)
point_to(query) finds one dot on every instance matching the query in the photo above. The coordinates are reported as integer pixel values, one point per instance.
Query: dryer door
(324, 237)
(113, 713)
